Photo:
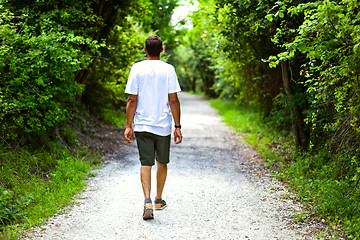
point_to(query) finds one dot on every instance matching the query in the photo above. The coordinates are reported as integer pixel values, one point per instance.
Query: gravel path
(211, 192)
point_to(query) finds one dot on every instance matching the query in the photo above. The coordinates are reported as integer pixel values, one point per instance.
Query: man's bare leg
(145, 175)
(160, 178)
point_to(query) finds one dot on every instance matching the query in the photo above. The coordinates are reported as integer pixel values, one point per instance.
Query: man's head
(153, 45)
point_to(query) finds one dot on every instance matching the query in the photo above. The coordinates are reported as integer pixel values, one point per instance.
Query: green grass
(328, 189)
(248, 121)
(37, 185)
(325, 183)
(114, 117)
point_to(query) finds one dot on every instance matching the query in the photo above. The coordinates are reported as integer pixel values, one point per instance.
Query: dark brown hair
(153, 45)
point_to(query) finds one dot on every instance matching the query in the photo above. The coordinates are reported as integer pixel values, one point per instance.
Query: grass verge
(328, 190)
(248, 121)
(36, 185)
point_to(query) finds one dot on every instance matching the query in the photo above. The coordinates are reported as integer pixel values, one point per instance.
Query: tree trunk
(295, 112)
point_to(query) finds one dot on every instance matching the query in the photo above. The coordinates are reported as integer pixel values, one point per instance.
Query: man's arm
(130, 112)
(175, 110)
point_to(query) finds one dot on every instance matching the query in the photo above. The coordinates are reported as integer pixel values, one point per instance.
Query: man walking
(153, 102)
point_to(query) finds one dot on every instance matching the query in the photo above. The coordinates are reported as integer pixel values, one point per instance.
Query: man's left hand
(177, 136)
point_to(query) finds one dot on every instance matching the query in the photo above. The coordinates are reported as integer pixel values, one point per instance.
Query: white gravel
(209, 192)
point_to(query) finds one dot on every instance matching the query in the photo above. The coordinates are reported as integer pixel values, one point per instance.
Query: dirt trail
(210, 191)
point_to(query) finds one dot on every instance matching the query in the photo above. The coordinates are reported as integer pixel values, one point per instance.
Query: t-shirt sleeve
(132, 84)
(174, 85)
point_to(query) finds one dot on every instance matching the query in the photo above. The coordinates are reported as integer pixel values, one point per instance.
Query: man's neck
(153, 58)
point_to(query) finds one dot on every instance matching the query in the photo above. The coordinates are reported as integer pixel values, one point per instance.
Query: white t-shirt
(152, 81)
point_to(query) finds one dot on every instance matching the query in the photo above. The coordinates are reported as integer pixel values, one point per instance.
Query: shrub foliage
(60, 60)
(298, 61)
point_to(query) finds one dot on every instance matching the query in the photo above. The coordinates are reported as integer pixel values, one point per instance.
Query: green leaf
(269, 17)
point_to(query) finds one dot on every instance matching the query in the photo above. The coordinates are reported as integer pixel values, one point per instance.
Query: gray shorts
(150, 146)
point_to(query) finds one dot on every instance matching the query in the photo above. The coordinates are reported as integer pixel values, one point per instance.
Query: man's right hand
(129, 135)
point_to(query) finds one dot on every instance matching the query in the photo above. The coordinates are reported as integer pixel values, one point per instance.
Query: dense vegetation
(295, 62)
(63, 63)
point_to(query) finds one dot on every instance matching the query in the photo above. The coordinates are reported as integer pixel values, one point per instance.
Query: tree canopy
(57, 57)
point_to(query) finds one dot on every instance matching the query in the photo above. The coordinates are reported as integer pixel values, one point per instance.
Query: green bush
(11, 206)
(37, 91)
(104, 93)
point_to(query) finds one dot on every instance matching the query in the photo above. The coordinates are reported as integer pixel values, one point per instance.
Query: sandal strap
(147, 200)
(157, 200)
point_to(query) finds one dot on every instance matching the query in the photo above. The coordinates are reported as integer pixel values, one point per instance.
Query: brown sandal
(159, 204)
(148, 210)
